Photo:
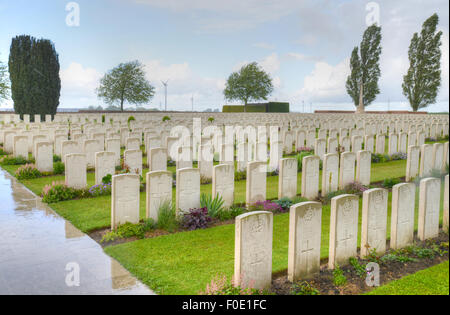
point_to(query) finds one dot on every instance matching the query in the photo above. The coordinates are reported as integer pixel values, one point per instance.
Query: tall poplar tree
(422, 82)
(362, 83)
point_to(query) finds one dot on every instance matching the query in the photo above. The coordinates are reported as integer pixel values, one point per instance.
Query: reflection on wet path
(41, 253)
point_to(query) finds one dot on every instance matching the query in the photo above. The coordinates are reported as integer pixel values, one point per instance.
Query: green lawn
(185, 262)
(431, 281)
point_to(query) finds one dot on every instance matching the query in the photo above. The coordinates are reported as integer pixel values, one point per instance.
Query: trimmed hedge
(278, 107)
(271, 107)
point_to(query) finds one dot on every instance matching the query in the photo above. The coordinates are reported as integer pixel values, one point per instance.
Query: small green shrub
(57, 192)
(300, 157)
(231, 213)
(284, 203)
(167, 217)
(339, 279)
(58, 168)
(130, 119)
(359, 269)
(56, 158)
(205, 180)
(107, 179)
(240, 175)
(166, 118)
(390, 182)
(128, 230)
(304, 288)
(214, 205)
(10, 160)
(27, 171)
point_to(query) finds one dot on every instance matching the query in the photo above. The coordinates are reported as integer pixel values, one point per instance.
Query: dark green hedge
(277, 107)
(271, 107)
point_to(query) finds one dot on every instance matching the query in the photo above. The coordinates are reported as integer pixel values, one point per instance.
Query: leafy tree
(4, 86)
(362, 83)
(247, 84)
(125, 83)
(421, 83)
(34, 75)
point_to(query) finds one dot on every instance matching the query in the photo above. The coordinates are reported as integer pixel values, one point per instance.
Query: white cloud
(326, 83)
(78, 85)
(270, 64)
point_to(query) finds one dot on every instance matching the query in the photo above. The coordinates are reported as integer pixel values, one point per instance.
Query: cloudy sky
(195, 44)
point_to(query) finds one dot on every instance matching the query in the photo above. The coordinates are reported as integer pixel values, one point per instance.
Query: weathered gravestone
(305, 228)
(113, 145)
(438, 156)
(276, 154)
(393, 144)
(157, 159)
(363, 167)
(369, 143)
(125, 197)
(357, 143)
(75, 170)
(133, 160)
(20, 147)
(343, 230)
(426, 160)
(412, 162)
(90, 147)
(44, 156)
(159, 192)
(402, 216)
(310, 177)
(374, 221)
(253, 250)
(347, 169)
(320, 148)
(184, 158)
(330, 173)
(133, 144)
(429, 203)
(223, 183)
(380, 144)
(332, 145)
(256, 182)
(205, 161)
(287, 179)
(104, 165)
(188, 189)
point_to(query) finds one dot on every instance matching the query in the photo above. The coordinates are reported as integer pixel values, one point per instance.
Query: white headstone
(125, 198)
(253, 250)
(305, 227)
(374, 221)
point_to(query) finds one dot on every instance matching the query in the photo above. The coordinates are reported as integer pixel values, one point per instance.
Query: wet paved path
(37, 245)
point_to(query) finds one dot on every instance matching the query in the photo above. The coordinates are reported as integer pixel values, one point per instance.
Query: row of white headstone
(254, 231)
(423, 160)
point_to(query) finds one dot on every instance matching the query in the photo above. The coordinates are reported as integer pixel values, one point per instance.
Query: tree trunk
(360, 109)
(121, 105)
(245, 106)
